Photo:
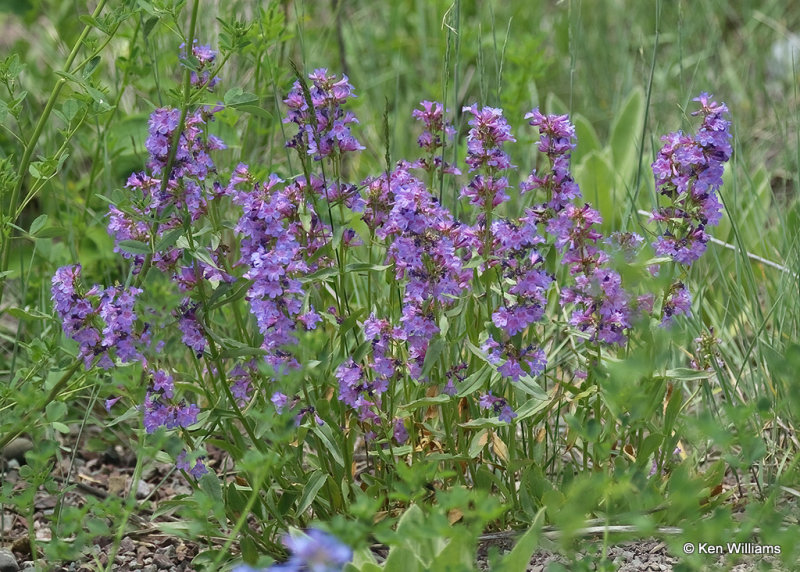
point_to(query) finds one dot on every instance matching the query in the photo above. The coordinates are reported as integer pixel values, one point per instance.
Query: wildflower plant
(447, 355)
(327, 331)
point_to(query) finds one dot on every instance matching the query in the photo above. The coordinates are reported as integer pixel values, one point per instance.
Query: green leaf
(672, 411)
(55, 411)
(597, 181)
(626, 131)
(60, 427)
(324, 433)
(402, 559)
(149, 24)
(320, 275)
(169, 239)
(588, 140)
(361, 351)
(249, 550)
(28, 313)
(483, 422)
(91, 66)
(129, 414)
(364, 266)
(426, 402)
(459, 554)
(478, 443)
(530, 386)
(314, 484)
(685, 374)
(519, 558)
(476, 380)
(134, 246)
(432, 355)
(237, 96)
(255, 110)
(532, 407)
(50, 232)
(210, 485)
(38, 224)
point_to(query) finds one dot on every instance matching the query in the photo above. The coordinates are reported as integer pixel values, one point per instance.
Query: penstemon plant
(329, 332)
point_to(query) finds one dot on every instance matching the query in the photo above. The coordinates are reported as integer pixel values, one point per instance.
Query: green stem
(176, 137)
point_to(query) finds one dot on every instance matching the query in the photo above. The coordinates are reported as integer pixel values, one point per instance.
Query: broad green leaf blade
(626, 131)
(519, 558)
(314, 484)
(588, 140)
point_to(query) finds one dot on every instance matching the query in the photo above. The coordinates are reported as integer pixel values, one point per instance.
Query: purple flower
(314, 551)
(205, 56)
(193, 335)
(197, 470)
(357, 391)
(275, 250)
(489, 131)
(688, 172)
(186, 415)
(101, 320)
(678, 303)
(432, 139)
(400, 432)
(279, 400)
(325, 129)
(602, 307)
(187, 191)
(241, 379)
(509, 359)
(162, 382)
(498, 405)
(556, 140)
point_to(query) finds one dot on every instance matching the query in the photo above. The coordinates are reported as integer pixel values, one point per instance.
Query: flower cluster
(400, 432)
(556, 141)
(157, 209)
(602, 307)
(489, 131)
(433, 138)
(677, 302)
(509, 359)
(191, 328)
(159, 411)
(357, 391)
(429, 249)
(688, 172)
(101, 320)
(241, 379)
(521, 268)
(706, 352)
(498, 405)
(323, 127)
(314, 551)
(204, 58)
(197, 470)
(274, 249)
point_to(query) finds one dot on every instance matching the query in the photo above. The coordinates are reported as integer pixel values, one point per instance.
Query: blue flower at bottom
(314, 551)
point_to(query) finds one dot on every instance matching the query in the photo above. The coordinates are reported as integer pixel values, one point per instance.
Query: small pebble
(17, 448)
(8, 563)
